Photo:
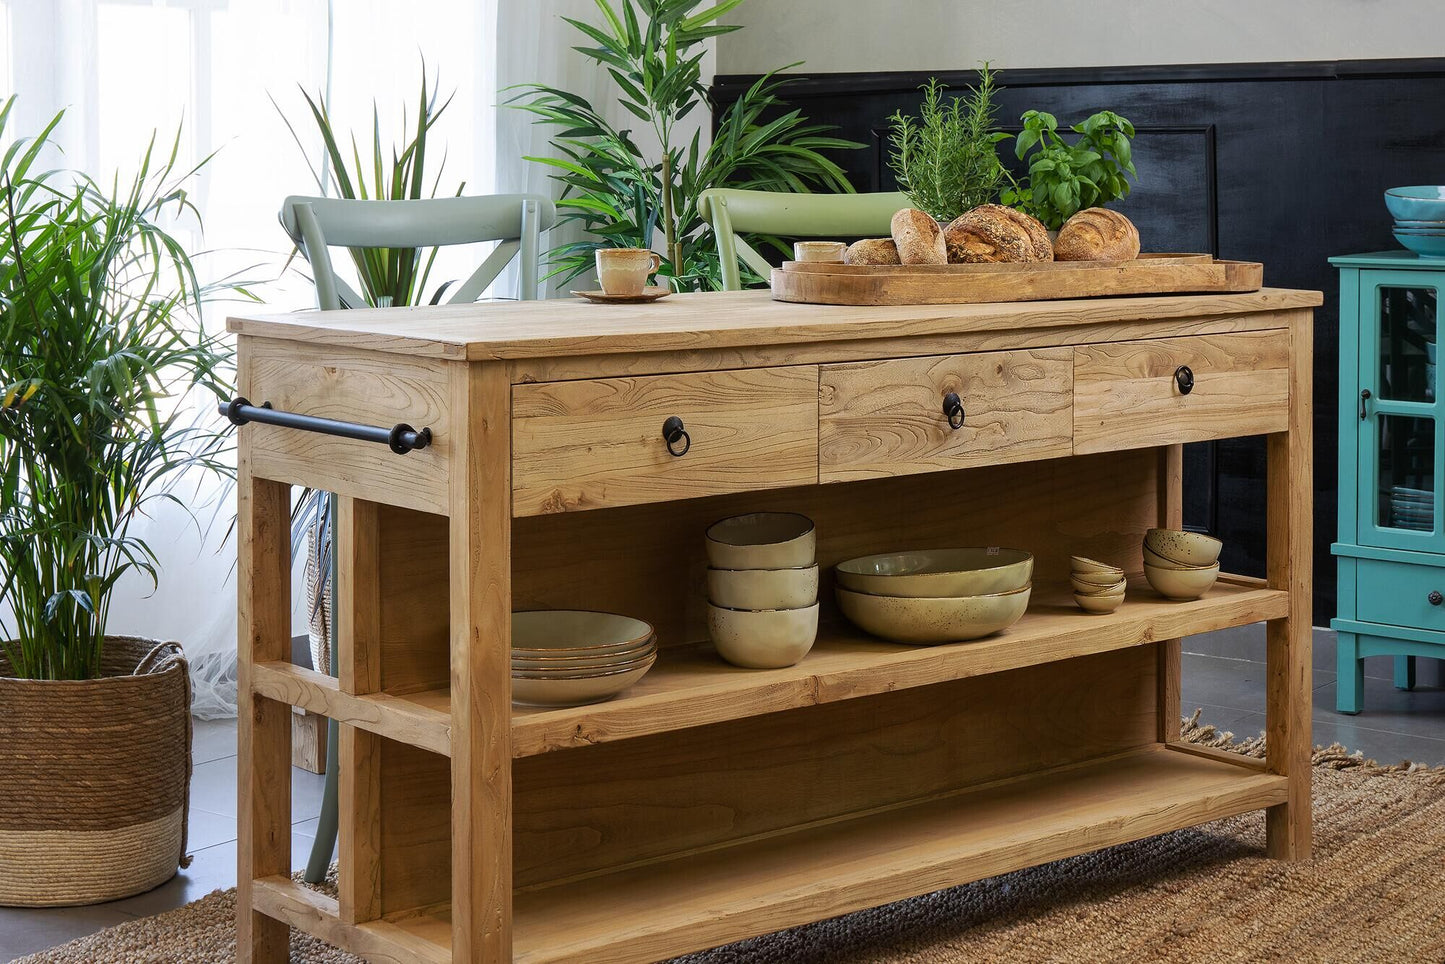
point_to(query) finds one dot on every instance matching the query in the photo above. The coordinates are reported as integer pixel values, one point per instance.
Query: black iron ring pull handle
(400, 438)
(672, 433)
(953, 410)
(1364, 397)
(1184, 378)
(1435, 598)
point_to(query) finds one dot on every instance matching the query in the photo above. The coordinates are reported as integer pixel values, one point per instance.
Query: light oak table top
(712, 320)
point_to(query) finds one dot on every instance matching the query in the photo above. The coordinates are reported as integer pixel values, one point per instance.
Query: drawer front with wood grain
(1141, 393)
(909, 415)
(600, 442)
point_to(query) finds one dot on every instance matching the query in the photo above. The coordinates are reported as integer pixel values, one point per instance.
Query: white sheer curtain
(125, 68)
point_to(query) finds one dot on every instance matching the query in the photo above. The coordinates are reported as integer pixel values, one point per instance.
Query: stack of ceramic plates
(762, 588)
(1411, 508)
(936, 595)
(568, 657)
(1419, 213)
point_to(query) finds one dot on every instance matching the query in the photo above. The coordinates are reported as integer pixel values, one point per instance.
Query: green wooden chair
(840, 216)
(316, 224)
(516, 221)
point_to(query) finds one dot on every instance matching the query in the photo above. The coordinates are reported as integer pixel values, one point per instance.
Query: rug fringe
(1334, 757)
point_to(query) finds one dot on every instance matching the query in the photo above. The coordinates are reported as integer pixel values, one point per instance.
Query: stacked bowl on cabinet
(762, 588)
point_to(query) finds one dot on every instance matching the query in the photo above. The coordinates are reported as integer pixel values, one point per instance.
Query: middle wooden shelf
(691, 686)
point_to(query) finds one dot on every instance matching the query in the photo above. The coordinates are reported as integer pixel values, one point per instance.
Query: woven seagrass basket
(95, 778)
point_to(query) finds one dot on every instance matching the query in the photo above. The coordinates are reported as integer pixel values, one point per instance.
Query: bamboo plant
(621, 194)
(101, 338)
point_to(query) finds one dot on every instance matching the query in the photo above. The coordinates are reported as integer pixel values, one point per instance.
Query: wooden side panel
(592, 444)
(358, 621)
(414, 829)
(413, 579)
(617, 803)
(651, 564)
(1126, 394)
(1171, 656)
(355, 386)
(885, 418)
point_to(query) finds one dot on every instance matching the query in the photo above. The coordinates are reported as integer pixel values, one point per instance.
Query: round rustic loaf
(1097, 234)
(872, 251)
(993, 233)
(918, 237)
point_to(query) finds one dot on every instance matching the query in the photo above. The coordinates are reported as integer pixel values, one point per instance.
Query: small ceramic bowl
(902, 619)
(584, 664)
(1098, 578)
(762, 540)
(1425, 245)
(577, 689)
(1182, 583)
(1421, 202)
(1185, 548)
(1091, 589)
(1428, 225)
(763, 588)
(1152, 558)
(764, 638)
(935, 573)
(1082, 565)
(1099, 604)
(576, 632)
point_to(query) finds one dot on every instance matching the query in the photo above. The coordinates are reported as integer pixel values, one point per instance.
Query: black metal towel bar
(401, 438)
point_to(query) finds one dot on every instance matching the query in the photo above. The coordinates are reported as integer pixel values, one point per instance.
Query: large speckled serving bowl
(1185, 548)
(935, 573)
(576, 632)
(762, 540)
(764, 638)
(1181, 583)
(923, 621)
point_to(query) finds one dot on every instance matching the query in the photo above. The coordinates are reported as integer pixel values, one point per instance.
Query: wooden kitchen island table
(711, 803)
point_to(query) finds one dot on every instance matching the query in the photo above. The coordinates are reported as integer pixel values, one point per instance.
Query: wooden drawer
(886, 418)
(598, 443)
(1398, 594)
(1126, 394)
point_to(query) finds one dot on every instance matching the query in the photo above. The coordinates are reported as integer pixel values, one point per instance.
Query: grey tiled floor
(1223, 675)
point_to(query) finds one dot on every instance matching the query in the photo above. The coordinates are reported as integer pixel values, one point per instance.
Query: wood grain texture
(1125, 394)
(650, 799)
(415, 622)
(711, 321)
(885, 418)
(1289, 642)
(399, 718)
(708, 898)
(1171, 656)
(691, 686)
(415, 830)
(317, 914)
(263, 741)
(958, 284)
(481, 680)
(353, 386)
(308, 741)
(595, 444)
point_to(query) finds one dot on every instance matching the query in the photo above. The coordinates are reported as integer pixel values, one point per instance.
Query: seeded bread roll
(872, 251)
(918, 237)
(994, 233)
(1097, 234)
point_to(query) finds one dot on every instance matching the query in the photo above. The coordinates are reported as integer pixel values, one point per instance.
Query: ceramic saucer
(650, 293)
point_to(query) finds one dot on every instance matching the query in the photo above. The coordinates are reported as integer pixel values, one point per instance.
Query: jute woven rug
(1375, 891)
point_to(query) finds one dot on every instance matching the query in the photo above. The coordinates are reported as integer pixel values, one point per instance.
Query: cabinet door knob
(1435, 598)
(1364, 397)
(1184, 378)
(674, 434)
(953, 410)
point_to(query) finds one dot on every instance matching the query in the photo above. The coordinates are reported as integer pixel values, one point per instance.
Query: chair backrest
(515, 220)
(789, 215)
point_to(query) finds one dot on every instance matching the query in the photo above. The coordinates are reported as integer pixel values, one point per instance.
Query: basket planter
(95, 778)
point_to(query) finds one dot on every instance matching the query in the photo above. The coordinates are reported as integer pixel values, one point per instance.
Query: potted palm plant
(100, 341)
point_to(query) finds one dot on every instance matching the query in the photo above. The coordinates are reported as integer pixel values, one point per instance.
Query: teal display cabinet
(1391, 548)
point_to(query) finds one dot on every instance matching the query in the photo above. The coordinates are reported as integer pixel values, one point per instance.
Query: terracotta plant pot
(95, 778)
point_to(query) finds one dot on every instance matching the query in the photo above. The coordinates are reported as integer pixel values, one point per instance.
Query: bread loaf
(918, 237)
(1097, 234)
(992, 232)
(872, 251)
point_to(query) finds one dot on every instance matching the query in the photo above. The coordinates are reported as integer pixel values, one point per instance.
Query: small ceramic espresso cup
(624, 271)
(819, 251)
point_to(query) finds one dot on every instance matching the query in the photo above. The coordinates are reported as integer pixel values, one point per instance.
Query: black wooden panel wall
(1279, 163)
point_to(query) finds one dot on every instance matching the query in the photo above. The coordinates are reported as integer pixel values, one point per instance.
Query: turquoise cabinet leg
(1404, 672)
(1350, 673)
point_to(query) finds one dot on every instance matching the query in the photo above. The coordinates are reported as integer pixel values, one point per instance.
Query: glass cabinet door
(1399, 455)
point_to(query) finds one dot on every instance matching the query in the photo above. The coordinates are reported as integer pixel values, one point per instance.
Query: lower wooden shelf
(659, 910)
